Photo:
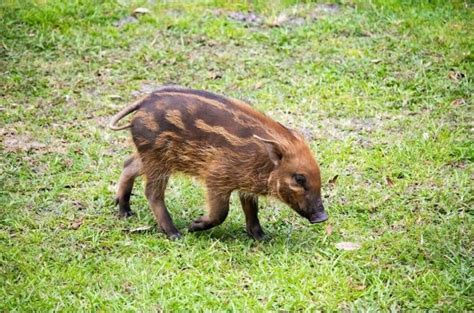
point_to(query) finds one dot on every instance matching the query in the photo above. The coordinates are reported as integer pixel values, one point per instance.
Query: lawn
(382, 90)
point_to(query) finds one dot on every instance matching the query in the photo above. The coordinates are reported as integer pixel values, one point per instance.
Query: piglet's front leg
(218, 208)
(250, 207)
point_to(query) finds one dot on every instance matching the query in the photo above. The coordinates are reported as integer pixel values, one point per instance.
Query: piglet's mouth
(318, 217)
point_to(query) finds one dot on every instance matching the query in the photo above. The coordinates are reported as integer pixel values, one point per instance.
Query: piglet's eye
(300, 179)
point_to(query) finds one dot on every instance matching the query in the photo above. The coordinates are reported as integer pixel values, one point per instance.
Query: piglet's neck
(260, 173)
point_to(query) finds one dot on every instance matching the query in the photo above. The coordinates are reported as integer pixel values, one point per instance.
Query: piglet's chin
(318, 217)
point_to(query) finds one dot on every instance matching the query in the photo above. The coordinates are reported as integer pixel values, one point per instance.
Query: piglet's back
(173, 117)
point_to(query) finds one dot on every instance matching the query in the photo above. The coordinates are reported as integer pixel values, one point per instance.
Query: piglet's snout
(319, 215)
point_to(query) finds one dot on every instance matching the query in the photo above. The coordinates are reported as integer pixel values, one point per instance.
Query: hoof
(257, 234)
(197, 225)
(126, 214)
(175, 236)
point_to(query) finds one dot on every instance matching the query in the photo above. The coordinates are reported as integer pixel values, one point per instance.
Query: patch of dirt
(14, 143)
(285, 19)
(326, 8)
(415, 189)
(100, 122)
(249, 19)
(17, 143)
(462, 165)
(125, 21)
(296, 15)
(301, 15)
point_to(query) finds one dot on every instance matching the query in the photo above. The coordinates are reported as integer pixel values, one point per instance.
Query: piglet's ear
(273, 148)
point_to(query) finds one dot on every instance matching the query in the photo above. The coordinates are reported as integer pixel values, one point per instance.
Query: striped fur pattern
(225, 143)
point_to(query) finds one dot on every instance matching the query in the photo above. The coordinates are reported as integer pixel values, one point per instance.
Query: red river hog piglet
(225, 143)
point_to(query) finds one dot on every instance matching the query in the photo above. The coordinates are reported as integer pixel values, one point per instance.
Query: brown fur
(228, 145)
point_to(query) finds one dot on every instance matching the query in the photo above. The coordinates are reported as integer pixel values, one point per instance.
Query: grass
(382, 89)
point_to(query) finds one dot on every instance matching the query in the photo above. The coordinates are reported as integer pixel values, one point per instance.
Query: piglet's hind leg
(155, 193)
(131, 170)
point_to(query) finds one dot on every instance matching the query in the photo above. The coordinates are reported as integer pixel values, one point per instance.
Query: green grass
(382, 89)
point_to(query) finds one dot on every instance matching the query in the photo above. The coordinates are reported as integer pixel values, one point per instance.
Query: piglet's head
(296, 178)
